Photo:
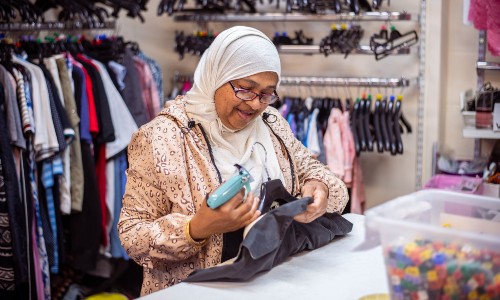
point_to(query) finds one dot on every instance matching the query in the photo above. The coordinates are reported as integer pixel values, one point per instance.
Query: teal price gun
(230, 188)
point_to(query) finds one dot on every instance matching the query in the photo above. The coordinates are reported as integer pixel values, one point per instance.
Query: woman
(190, 148)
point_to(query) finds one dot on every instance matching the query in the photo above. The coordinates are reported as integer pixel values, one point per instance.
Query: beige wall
(449, 68)
(461, 55)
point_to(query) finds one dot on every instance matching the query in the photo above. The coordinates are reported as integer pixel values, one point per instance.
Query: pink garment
(481, 14)
(349, 151)
(341, 157)
(149, 90)
(186, 87)
(493, 23)
(332, 141)
(358, 190)
(472, 11)
(339, 146)
(485, 14)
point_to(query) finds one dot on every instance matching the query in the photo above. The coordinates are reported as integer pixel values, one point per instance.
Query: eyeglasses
(247, 95)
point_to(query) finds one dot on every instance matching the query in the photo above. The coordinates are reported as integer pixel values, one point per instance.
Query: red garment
(93, 123)
(100, 169)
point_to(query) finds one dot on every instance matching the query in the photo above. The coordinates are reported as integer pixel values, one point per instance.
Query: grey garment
(75, 152)
(322, 154)
(274, 238)
(12, 110)
(132, 93)
(120, 72)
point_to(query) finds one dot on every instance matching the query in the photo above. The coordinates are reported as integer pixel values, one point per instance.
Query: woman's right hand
(231, 216)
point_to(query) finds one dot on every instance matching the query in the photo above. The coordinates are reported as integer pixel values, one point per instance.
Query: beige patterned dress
(170, 172)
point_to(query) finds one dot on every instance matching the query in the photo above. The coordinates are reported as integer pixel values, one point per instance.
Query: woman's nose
(255, 104)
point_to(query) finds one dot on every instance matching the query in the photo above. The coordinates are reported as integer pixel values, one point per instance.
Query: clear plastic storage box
(439, 245)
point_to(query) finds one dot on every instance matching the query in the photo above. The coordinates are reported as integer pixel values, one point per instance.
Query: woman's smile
(246, 115)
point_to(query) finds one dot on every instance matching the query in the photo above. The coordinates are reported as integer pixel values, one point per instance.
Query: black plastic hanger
(390, 125)
(358, 107)
(366, 123)
(376, 124)
(397, 127)
(396, 41)
(383, 125)
(354, 128)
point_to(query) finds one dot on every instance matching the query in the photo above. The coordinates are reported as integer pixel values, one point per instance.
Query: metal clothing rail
(346, 81)
(314, 49)
(56, 26)
(296, 17)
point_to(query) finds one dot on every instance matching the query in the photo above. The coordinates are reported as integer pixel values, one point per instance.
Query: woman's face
(236, 113)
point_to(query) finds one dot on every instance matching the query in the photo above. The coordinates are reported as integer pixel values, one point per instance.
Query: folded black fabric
(274, 238)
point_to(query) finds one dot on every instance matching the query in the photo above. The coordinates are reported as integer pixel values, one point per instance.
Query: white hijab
(235, 53)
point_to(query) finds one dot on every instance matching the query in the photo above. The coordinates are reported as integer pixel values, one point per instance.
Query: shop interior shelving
(292, 17)
(478, 133)
(70, 25)
(203, 18)
(481, 66)
(314, 49)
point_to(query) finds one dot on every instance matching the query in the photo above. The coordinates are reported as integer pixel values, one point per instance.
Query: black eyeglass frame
(236, 90)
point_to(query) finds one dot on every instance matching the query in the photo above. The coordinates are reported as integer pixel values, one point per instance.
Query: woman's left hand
(319, 192)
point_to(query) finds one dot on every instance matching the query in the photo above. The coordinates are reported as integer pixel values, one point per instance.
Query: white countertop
(334, 271)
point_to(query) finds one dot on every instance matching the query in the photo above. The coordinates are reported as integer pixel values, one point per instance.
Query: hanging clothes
(13, 263)
(485, 15)
(64, 130)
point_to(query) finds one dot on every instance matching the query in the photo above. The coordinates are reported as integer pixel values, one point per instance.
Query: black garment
(11, 206)
(85, 227)
(57, 117)
(28, 202)
(132, 93)
(54, 93)
(271, 191)
(231, 242)
(274, 238)
(77, 79)
(106, 130)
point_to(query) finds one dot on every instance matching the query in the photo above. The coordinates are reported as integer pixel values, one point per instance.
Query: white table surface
(333, 271)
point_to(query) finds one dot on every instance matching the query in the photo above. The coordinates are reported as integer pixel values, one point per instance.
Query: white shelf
(281, 17)
(472, 132)
(484, 65)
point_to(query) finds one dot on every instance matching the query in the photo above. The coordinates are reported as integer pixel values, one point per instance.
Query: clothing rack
(325, 81)
(20, 26)
(346, 81)
(314, 49)
(295, 17)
